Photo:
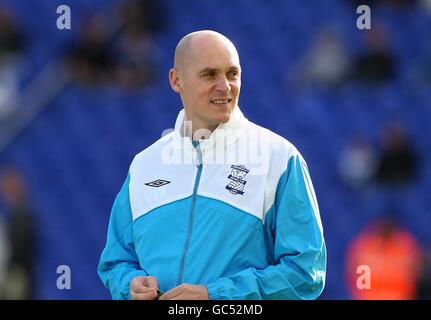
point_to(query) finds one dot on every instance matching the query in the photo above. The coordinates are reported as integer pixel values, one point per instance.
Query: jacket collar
(222, 138)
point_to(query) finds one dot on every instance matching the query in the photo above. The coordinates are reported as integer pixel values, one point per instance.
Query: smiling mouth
(221, 101)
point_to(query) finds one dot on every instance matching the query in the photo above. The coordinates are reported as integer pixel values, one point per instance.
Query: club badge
(237, 183)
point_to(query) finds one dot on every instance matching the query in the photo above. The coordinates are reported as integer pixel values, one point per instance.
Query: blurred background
(77, 105)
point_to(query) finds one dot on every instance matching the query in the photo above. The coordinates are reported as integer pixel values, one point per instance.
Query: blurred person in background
(90, 62)
(398, 162)
(136, 59)
(377, 63)
(327, 63)
(118, 49)
(11, 46)
(146, 16)
(357, 162)
(21, 235)
(393, 257)
(134, 48)
(4, 254)
(427, 5)
(424, 281)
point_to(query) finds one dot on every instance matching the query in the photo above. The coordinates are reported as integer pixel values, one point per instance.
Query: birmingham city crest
(237, 183)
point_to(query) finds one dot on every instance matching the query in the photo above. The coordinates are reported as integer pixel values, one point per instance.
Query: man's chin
(223, 118)
(219, 116)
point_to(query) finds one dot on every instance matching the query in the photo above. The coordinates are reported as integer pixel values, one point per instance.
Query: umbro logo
(157, 183)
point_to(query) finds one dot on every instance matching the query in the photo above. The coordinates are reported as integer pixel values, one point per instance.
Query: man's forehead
(214, 55)
(214, 58)
(218, 68)
(207, 50)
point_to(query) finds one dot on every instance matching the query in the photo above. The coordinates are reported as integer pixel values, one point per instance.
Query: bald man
(220, 208)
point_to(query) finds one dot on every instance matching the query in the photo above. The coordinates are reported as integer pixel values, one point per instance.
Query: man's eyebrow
(208, 70)
(234, 68)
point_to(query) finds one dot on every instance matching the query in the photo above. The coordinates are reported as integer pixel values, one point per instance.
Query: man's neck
(198, 130)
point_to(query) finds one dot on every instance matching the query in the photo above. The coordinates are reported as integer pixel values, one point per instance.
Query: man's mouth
(221, 101)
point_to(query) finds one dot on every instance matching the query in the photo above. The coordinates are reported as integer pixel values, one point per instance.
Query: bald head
(207, 75)
(194, 42)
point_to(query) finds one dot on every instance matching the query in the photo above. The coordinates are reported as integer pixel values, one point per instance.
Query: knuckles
(185, 287)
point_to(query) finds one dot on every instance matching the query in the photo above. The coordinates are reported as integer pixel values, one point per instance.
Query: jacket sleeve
(295, 242)
(119, 263)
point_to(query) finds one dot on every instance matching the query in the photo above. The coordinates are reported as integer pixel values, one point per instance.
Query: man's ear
(174, 80)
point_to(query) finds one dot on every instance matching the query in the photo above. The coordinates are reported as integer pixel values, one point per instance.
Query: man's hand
(144, 288)
(186, 292)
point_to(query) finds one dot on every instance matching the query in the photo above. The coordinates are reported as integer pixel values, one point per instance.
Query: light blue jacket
(236, 212)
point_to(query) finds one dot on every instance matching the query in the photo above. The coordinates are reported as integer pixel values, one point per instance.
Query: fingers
(140, 282)
(151, 282)
(167, 296)
(146, 288)
(174, 293)
(186, 292)
(137, 284)
(143, 288)
(144, 294)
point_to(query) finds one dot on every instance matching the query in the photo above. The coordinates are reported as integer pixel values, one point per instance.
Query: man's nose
(223, 84)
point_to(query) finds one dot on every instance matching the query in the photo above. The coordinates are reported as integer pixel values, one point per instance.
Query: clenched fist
(144, 288)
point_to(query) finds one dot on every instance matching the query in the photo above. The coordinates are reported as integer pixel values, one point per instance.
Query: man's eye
(234, 74)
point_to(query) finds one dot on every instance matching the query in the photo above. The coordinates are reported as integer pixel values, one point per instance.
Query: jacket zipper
(192, 211)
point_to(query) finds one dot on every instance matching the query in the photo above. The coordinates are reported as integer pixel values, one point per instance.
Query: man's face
(210, 83)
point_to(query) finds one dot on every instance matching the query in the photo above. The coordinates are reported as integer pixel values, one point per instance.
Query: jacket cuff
(215, 291)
